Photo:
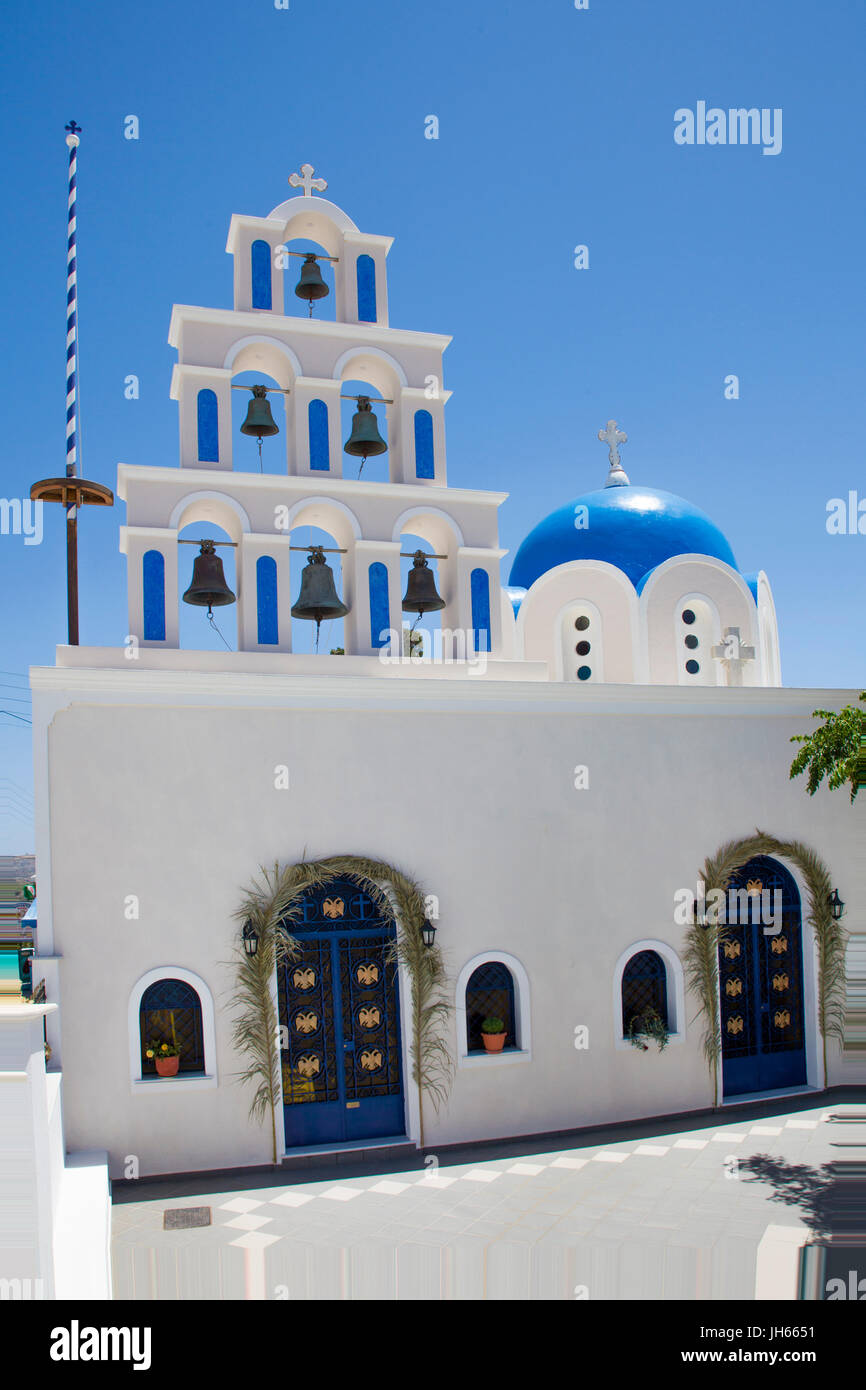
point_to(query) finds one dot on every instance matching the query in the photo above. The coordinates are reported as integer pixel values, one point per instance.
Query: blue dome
(633, 528)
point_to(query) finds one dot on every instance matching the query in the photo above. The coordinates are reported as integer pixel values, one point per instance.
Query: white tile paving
(292, 1199)
(247, 1222)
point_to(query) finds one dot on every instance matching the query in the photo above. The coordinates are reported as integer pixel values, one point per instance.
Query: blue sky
(556, 129)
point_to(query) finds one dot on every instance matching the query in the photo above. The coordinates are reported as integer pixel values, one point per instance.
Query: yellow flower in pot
(165, 1057)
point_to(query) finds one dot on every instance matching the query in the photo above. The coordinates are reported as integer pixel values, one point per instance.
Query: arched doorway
(340, 1021)
(761, 981)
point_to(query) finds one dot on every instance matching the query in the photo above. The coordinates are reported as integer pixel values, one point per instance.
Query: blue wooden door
(339, 1008)
(761, 982)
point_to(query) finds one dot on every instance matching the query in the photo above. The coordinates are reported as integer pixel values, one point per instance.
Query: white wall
(468, 787)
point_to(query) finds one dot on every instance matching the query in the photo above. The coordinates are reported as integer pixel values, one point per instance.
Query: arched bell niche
(328, 523)
(294, 306)
(376, 467)
(429, 625)
(434, 532)
(254, 361)
(245, 452)
(195, 631)
(374, 373)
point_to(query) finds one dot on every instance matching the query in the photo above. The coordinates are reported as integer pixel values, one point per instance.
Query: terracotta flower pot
(166, 1066)
(493, 1042)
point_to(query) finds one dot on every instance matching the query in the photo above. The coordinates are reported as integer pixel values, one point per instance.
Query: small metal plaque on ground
(184, 1218)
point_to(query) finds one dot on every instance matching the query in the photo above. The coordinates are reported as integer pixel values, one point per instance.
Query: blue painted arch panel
(317, 424)
(380, 613)
(260, 269)
(153, 586)
(479, 588)
(425, 463)
(207, 421)
(266, 601)
(366, 276)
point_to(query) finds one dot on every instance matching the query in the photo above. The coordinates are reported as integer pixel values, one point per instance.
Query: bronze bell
(318, 601)
(259, 421)
(208, 588)
(311, 285)
(365, 439)
(421, 595)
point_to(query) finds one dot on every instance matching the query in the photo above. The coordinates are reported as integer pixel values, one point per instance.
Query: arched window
(266, 601)
(425, 465)
(644, 986)
(170, 1011)
(379, 608)
(260, 267)
(153, 585)
(208, 427)
(366, 274)
(317, 423)
(490, 994)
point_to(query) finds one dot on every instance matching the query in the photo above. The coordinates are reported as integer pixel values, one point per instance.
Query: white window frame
(674, 988)
(520, 981)
(197, 1081)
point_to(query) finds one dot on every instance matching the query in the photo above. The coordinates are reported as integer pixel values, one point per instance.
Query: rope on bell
(210, 619)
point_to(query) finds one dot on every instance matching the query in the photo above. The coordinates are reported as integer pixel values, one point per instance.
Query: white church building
(549, 770)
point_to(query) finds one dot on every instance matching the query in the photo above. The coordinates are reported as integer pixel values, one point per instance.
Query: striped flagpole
(72, 133)
(71, 491)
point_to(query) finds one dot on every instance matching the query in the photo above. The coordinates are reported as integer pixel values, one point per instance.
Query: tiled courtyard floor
(713, 1213)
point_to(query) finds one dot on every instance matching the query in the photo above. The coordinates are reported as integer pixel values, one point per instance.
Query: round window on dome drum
(693, 667)
(691, 641)
(581, 623)
(688, 616)
(584, 673)
(582, 648)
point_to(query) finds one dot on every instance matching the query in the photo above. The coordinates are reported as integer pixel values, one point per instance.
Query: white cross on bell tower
(306, 181)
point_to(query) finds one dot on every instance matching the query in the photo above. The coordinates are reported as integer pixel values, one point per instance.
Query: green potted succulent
(493, 1034)
(165, 1057)
(646, 1027)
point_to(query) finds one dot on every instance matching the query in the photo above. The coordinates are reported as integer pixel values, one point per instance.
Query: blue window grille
(379, 609)
(644, 986)
(317, 423)
(208, 427)
(490, 994)
(266, 601)
(260, 266)
(170, 1011)
(153, 585)
(479, 587)
(366, 276)
(425, 465)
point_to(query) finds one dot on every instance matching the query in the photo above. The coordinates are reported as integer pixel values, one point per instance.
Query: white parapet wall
(55, 1209)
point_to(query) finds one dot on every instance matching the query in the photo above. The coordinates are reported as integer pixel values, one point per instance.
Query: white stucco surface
(469, 788)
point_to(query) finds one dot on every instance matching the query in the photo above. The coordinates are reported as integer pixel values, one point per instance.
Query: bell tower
(317, 477)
